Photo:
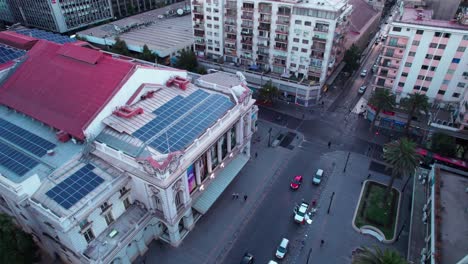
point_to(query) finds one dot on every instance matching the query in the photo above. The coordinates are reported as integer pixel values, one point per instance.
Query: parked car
(272, 262)
(363, 73)
(282, 248)
(300, 212)
(318, 177)
(362, 89)
(247, 258)
(296, 182)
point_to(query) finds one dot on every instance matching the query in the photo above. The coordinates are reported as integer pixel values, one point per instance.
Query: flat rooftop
(454, 224)
(420, 16)
(20, 154)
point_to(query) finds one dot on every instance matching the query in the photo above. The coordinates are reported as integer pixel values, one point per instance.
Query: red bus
(455, 163)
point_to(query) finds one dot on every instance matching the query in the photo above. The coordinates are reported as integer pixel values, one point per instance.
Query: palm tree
(377, 256)
(381, 99)
(414, 104)
(402, 157)
(269, 92)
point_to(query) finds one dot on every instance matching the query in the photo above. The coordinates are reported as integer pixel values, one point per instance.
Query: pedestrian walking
(245, 197)
(368, 176)
(237, 196)
(303, 116)
(322, 242)
(233, 196)
(329, 144)
(256, 154)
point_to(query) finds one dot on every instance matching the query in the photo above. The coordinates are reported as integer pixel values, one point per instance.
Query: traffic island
(374, 216)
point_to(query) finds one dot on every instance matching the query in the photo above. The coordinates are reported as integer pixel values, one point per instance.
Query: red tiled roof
(16, 40)
(65, 92)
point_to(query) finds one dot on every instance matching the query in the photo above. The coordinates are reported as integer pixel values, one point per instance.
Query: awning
(219, 184)
(335, 73)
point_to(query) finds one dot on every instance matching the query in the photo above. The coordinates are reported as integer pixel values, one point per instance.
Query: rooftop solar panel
(24, 139)
(74, 188)
(15, 161)
(41, 34)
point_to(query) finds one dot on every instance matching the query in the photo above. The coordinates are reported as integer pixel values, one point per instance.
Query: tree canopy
(414, 104)
(120, 47)
(376, 255)
(352, 57)
(381, 99)
(268, 92)
(443, 144)
(187, 60)
(16, 246)
(147, 54)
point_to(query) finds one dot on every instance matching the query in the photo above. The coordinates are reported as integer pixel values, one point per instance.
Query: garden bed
(376, 213)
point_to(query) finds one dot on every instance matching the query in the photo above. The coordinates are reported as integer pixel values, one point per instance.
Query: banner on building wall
(192, 183)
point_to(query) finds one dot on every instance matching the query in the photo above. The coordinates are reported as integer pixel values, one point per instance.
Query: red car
(296, 182)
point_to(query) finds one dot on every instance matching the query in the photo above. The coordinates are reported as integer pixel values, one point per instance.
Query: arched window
(158, 203)
(179, 199)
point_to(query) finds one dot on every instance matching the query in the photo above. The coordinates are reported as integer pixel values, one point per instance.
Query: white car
(282, 248)
(364, 73)
(362, 89)
(318, 177)
(299, 213)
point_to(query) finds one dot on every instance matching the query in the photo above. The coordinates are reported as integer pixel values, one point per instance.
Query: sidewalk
(216, 231)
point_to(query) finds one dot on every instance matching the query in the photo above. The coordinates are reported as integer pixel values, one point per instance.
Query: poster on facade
(192, 183)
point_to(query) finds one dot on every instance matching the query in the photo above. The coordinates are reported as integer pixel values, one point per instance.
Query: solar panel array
(203, 110)
(74, 188)
(24, 139)
(8, 53)
(42, 34)
(15, 161)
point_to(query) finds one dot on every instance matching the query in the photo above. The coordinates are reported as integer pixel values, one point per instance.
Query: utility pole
(269, 137)
(331, 200)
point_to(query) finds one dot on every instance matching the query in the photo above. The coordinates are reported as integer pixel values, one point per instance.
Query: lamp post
(269, 137)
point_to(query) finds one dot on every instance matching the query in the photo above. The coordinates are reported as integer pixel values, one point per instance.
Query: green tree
(381, 99)
(187, 60)
(352, 57)
(375, 255)
(414, 104)
(120, 47)
(16, 246)
(402, 157)
(443, 144)
(147, 54)
(268, 92)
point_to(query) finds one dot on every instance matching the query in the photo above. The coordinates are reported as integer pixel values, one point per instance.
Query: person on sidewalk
(322, 242)
(245, 197)
(329, 144)
(256, 154)
(233, 195)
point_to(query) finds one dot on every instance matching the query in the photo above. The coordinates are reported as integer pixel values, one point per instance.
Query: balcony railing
(247, 9)
(263, 52)
(264, 10)
(230, 40)
(282, 22)
(246, 33)
(396, 45)
(264, 28)
(281, 40)
(283, 14)
(264, 19)
(388, 65)
(282, 31)
(248, 17)
(319, 29)
(393, 55)
(262, 44)
(319, 39)
(247, 25)
(197, 11)
(317, 48)
(197, 3)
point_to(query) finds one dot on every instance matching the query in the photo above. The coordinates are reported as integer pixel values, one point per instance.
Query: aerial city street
(234, 131)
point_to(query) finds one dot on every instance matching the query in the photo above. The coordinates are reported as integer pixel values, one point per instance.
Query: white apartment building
(427, 56)
(301, 38)
(96, 168)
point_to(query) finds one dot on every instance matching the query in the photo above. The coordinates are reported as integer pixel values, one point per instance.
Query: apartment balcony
(230, 23)
(263, 44)
(230, 40)
(197, 3)
(264, 20)
(199, 34)
(230, 52)
(246, 33)
(246, 25)
(264, 28)
(389, 65)
(318, 48)
(246, 57)
(319, 39)
(281, 48)
(197, 11)
(282, 31)
(264, 10)
(247, 17)
(263, 52)
(283, 14)
(231, 15)
(321, 29)
(280, 57)
(317, 56)
(378, 85)
(200, 47)
(247, 9)
(395, 45)
(282, 40)
(232, 30)
(392, 55)
(283, 22)
(279, 64)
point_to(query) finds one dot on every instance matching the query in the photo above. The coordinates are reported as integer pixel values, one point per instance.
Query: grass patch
(375, 212)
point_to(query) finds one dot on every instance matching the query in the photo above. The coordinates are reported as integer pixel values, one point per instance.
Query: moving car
(362, 89)
(363, 73)
(318, 177)
(296, 182)
(247, 258)
(282, 248)
(300, 212)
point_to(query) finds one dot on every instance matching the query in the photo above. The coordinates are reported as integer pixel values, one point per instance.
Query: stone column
(240, 132)
(197, 172)
(188, 219)
(174, 235)
(249, 121)
(219, 150)
(229, 147)
(208, 161)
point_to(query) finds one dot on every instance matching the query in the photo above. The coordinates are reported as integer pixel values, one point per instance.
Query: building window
(433, 45)
(465, 37)
(442, 92)
(396, 29)
(158, 203)
(126, 203)
(455, 60)
(446, 35)
(105, 206)
(305, 41)
(411, 53)
(308, 23)
(304, 50)
(419, 32)
(415, 42)
(123, 191)
(450, 71)
(437, 58)
(424, 67)
(461, 49)
(88, 235)
(408, 64)
(433, 68)
(445, 81)
(401, 84)
(424, 89)
(456, 95)
(429, 56)
(298, 22)
(465, 74)
(178, 199)
(461, 85)
(429, 79)
(420, 77)
(438, 34)
(109, 218)
(441, 46)
(295, 48)
(417, 87)
(404, 74)
(295, 39)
